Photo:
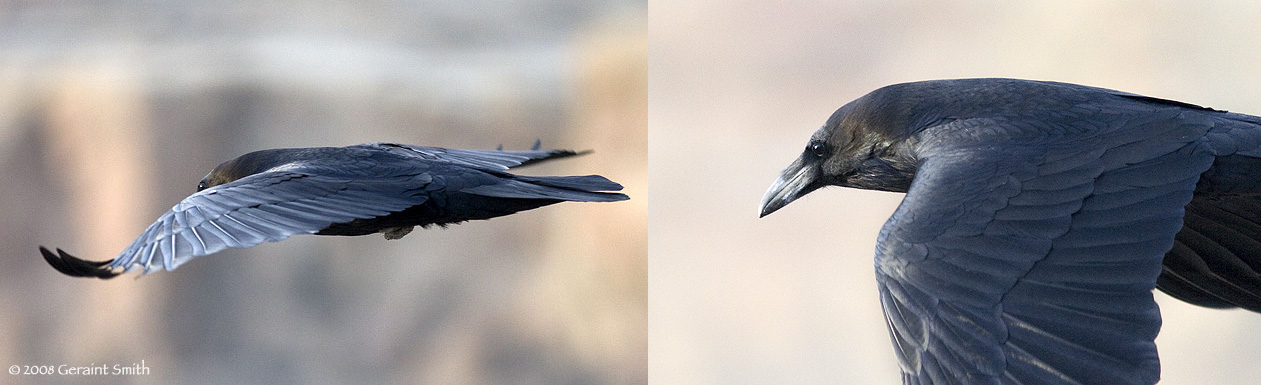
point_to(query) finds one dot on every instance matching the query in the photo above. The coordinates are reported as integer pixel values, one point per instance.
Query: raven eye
(818, 148)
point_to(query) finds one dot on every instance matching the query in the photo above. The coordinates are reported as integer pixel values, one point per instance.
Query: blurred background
(737, 87)
(111, 111)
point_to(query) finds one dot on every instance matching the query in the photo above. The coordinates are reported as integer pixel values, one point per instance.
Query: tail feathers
(586, 188)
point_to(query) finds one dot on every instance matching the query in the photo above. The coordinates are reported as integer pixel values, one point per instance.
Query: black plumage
(1038, 218)
(270, 195)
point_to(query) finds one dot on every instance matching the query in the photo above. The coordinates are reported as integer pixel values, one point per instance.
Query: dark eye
(201, 185)
(818, 148)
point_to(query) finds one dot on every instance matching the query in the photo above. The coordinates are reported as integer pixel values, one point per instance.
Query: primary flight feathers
(270, 195)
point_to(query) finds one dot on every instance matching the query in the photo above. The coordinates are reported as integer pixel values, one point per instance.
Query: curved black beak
(796, 181)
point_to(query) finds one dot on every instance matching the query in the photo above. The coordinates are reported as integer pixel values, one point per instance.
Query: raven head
(866, 144)
(252, 163)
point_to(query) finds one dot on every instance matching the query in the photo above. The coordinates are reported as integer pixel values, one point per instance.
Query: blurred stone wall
(110, 112)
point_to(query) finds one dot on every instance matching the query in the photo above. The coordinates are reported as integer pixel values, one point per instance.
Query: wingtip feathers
(69, 265)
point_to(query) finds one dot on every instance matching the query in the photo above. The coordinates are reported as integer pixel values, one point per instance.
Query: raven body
(270, 195)
(1038, 218)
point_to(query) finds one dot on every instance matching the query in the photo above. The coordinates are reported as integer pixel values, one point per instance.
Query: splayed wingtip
(70, 265)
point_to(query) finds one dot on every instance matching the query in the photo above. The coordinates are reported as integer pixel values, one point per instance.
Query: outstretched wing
(265, 207)
(1027, 253)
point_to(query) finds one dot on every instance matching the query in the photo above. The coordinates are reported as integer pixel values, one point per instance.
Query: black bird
(1038, 218)
(270, 195)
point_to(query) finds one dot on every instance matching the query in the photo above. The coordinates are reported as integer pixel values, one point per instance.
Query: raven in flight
(270, 195)
(1038, 218)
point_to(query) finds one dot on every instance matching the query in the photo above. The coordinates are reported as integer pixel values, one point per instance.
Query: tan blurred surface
(736, 89)
(110, 112)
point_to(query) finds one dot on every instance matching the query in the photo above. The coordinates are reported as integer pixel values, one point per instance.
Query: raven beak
(796, 181)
